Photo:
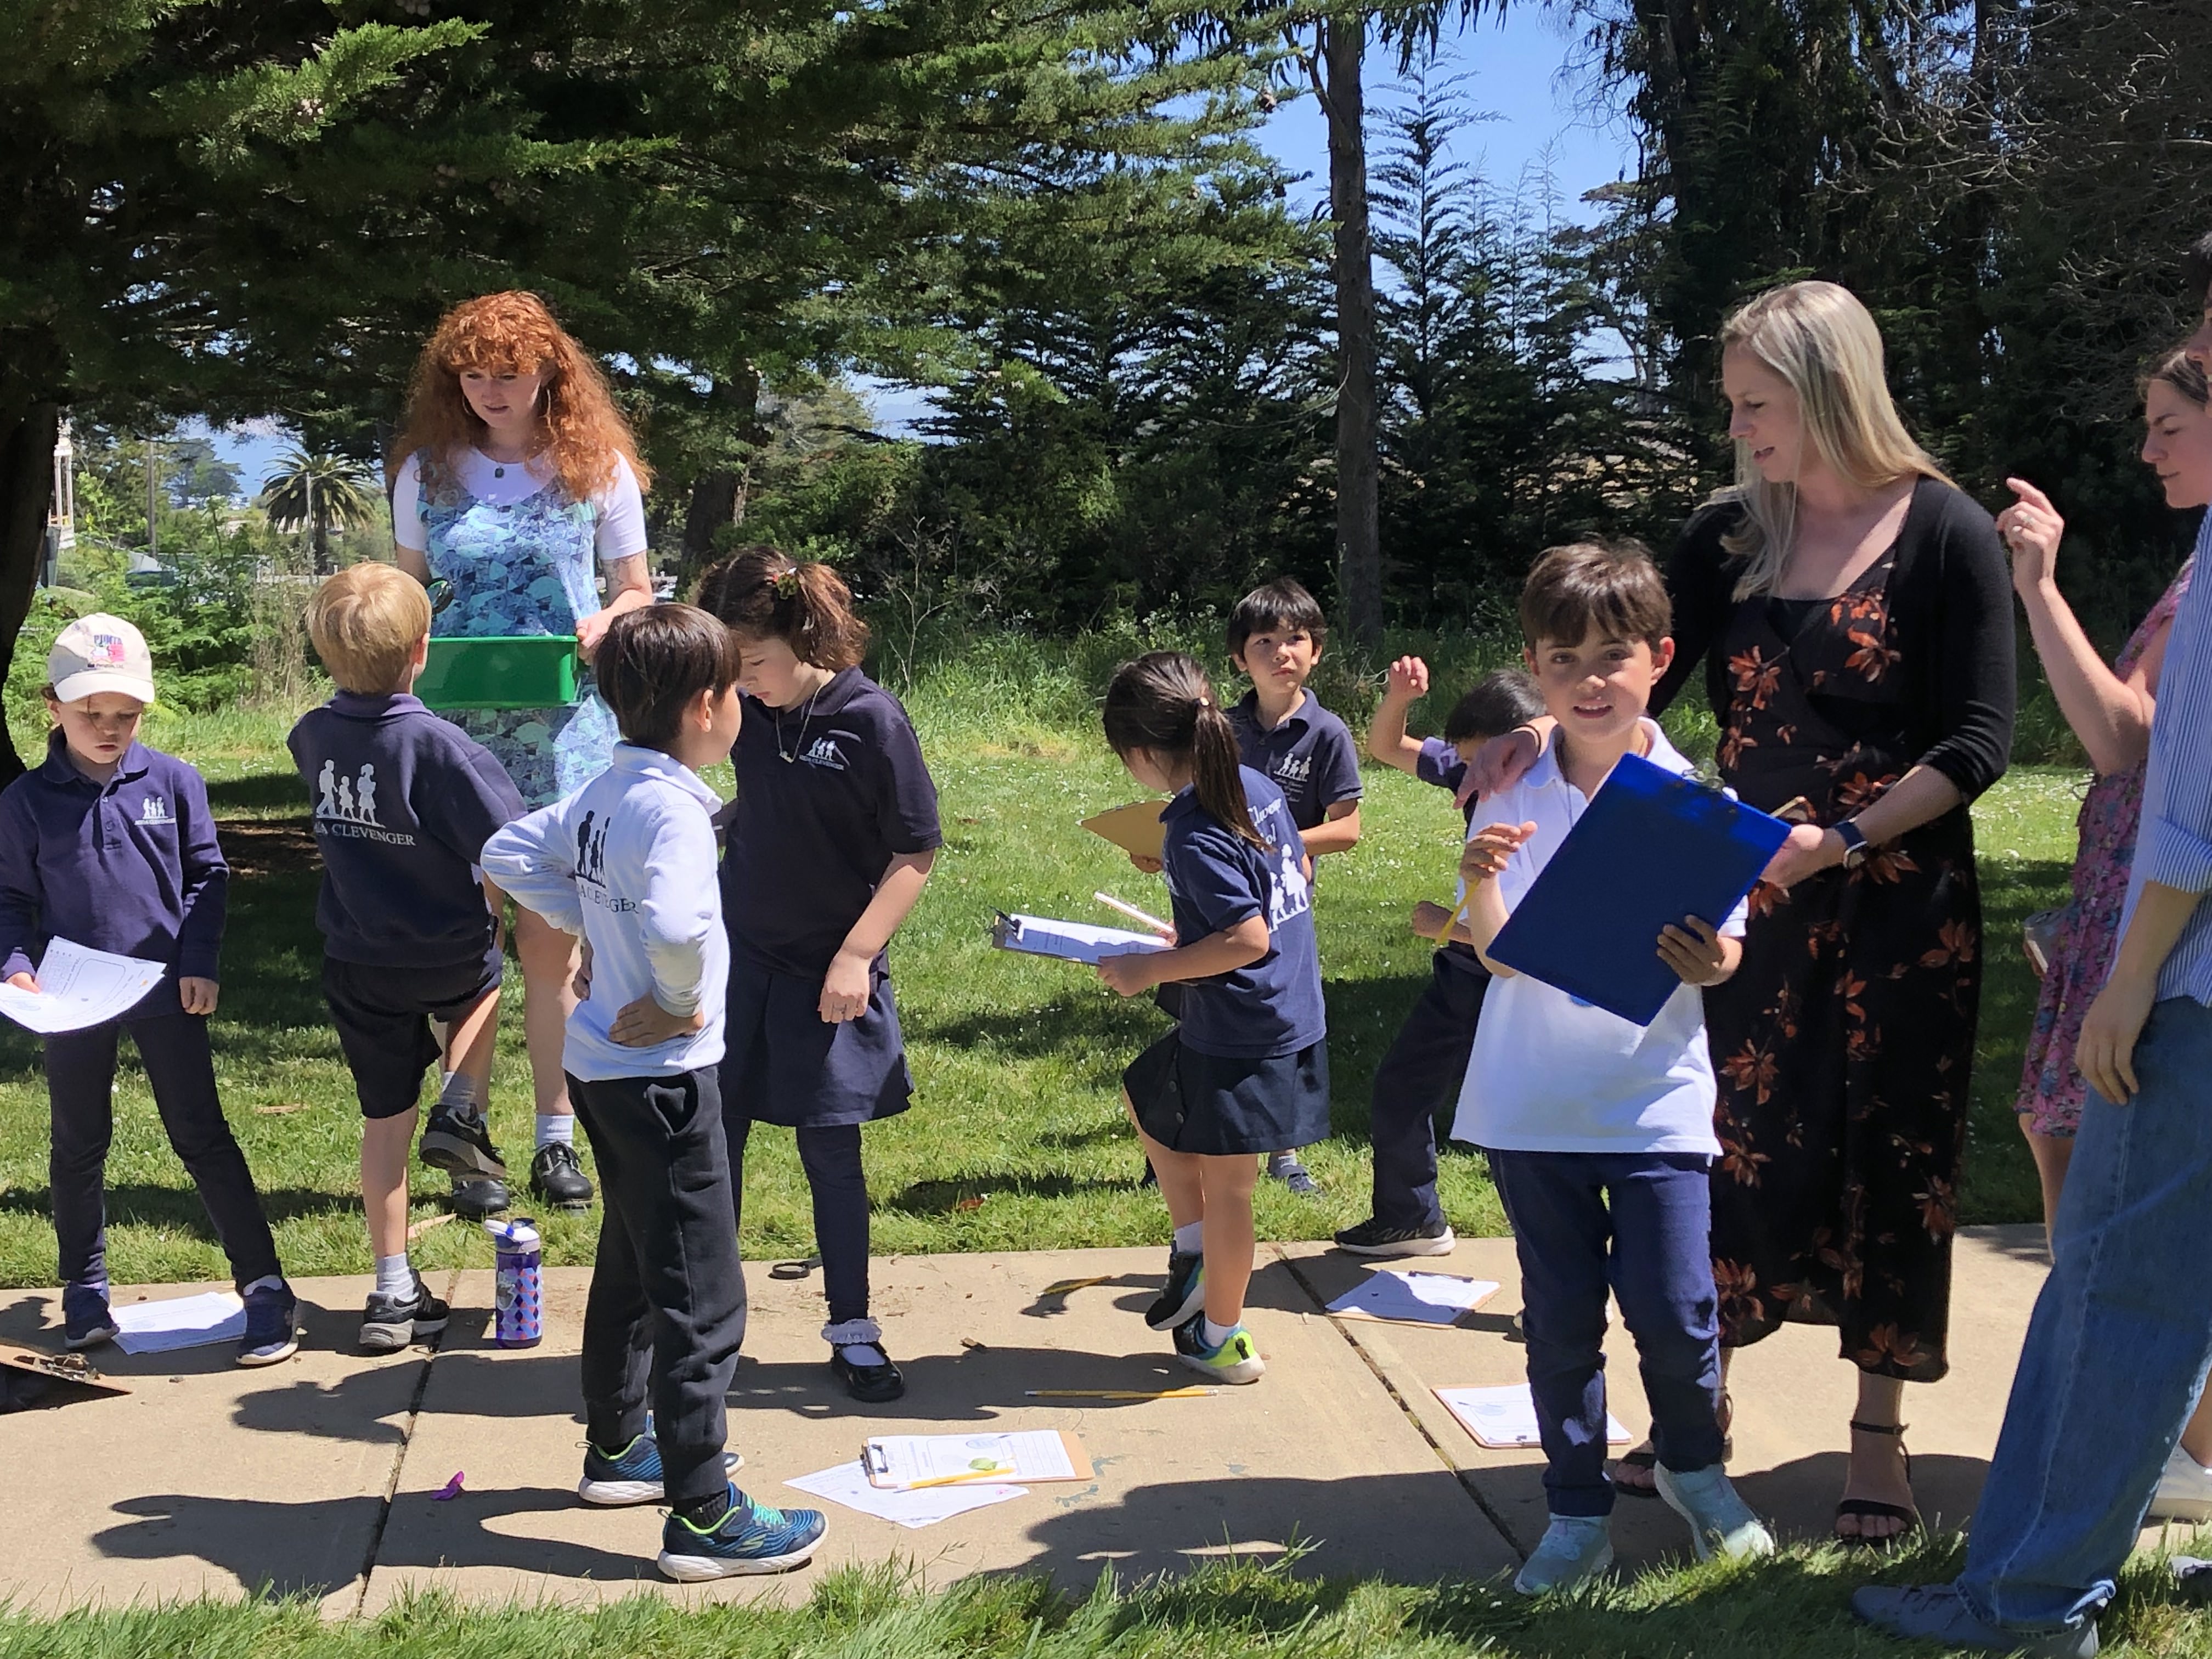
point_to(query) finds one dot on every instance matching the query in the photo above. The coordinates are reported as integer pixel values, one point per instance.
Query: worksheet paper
(1074, 941)
(79, 988)
(181, 1321)
(1414, 1298)
(1507, 1417)
(848, 1484)
(905, 1459)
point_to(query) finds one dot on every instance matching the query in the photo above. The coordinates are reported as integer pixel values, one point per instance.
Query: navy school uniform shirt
(829, 792)
(404, 803)
(131, 866)
(1216, 878)
(1310, 756)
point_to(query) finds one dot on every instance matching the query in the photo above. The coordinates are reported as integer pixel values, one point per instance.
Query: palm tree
(316, 493)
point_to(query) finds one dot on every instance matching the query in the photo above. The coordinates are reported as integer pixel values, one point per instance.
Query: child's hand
(1429, 919)
(1694, 952)
(1501, 763)
(645, 1023)
(198, 995)
(1488, 849)
(845, 990)
(1151, 866)
(1408, 681)
(1130, 976)
(582, 985)
(24, 982)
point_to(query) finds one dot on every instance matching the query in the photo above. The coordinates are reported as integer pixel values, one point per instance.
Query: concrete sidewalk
(317, 1475)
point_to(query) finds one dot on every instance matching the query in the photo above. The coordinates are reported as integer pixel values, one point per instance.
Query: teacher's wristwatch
(1855, 842)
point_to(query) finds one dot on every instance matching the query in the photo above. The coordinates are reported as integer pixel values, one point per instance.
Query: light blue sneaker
(1721, 1523)
(751, 1538)
(632, 1475)
(1574, 1549)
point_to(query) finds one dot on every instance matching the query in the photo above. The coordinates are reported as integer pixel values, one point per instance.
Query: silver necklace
(799, 748)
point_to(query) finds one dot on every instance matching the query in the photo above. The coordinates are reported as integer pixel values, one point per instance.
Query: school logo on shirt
(823, 752)
(155, 809)
(591, 851)
(346, 806)
(1294, 768)
(1289, 893)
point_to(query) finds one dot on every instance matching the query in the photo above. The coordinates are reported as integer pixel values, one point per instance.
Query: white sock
(395, 1276)
(855, 1341)
(1190, 1238)
(266, 1282)
(1216, 1335)
(555, 1126)
(459, 1092)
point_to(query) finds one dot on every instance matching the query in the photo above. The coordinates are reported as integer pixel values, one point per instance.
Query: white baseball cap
(100, 653)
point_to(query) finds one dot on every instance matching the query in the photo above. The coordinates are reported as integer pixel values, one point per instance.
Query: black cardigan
(1951, 613)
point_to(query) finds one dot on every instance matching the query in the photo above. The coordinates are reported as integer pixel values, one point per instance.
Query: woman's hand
(2104, 1054)
(645, 1024)
(2031, 529)
(1129, 975)
(846, 988)
(1696, 952)
(1500, 764)
(1488, 850)
(589, 630)
(1806, 852)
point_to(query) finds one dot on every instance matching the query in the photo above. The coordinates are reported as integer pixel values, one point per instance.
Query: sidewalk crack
(400, 1458)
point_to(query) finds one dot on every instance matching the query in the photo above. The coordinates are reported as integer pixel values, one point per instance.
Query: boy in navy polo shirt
(1420, 1076)
(111, 845)
(403, 804)
(1275, 638)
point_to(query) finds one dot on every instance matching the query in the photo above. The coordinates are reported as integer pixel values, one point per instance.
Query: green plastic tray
(529, 670)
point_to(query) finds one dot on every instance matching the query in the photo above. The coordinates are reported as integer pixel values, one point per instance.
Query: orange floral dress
(1844, 1042)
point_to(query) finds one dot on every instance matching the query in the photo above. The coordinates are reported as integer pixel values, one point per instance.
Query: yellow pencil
(954, 1480)
(1194, 1393)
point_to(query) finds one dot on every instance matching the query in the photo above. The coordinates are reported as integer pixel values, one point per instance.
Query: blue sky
(1517, 73)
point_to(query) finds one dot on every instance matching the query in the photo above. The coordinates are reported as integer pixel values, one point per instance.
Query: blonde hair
(1823, 342)
(365, 622)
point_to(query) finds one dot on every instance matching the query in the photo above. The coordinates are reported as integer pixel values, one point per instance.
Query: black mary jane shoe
(872, 1385)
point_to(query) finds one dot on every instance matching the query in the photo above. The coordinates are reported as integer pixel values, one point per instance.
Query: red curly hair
(580, 431)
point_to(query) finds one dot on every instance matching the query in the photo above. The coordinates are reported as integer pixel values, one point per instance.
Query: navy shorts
(782, 1063)
(1219, 1105)
(383, 1015)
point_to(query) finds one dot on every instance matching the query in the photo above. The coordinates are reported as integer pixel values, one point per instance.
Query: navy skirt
(1219, 1105)
(784, 1064)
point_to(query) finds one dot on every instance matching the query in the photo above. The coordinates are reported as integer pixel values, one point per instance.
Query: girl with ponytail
(1246, 1071)
(831, 837)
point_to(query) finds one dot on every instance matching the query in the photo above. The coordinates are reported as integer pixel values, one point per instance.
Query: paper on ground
(1507, 1417)
(1032, 1455)
(1076, 941)
(1414, 1298)
(182, 1321)
(79, 988)
(848, 1484)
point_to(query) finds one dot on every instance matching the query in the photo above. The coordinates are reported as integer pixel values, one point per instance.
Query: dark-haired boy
(1420, 1078)
(629, 862)
(1276, 634)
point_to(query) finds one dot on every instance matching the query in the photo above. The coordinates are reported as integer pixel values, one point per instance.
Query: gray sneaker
(1574, 1549)
(1937, 1613)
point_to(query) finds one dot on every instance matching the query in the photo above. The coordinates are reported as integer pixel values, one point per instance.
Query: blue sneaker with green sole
(749, 1538)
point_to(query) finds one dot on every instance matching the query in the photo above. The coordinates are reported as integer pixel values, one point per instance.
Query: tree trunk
(27, 484)
(1358, 531)
(718, 496)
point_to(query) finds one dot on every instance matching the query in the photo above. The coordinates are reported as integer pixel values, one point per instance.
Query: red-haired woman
(516, 483)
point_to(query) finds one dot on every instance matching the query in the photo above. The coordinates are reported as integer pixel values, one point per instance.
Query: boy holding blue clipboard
(1599, 1130)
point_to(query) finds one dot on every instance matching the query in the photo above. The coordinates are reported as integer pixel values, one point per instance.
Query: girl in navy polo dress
(1246, 1070)
(830, 838)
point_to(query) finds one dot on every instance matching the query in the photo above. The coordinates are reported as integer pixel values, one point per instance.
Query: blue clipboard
(1652, 848)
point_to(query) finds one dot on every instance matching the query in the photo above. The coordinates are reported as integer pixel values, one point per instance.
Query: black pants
(180, 1067)
(667, 1307)
(1417, 1081)
(832, 1157)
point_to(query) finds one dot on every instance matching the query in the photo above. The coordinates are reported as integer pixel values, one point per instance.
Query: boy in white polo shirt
(1600, 1131)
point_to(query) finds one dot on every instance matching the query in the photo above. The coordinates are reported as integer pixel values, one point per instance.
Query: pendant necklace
(799, 748)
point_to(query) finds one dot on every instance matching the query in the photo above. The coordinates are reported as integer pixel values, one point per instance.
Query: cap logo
(108, 650)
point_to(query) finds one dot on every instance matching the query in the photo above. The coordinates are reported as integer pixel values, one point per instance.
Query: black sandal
(1647, 1457)
(1868, 1507)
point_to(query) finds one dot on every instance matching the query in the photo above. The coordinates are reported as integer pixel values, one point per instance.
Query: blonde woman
(1851, 611)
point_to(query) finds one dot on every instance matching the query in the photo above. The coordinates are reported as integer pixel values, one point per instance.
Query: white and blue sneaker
(1721, 1523)
(749, 1538)
(272, 1319)
(1235, 1358)
(632, 1475)
(1574, 1549)
(1182, 1295)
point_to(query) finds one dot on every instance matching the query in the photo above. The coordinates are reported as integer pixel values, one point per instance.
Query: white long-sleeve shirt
(628, 861)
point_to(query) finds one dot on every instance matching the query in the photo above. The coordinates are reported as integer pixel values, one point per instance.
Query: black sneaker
(872, 1385)
(460, 1141)
(389, 1323)
(1371, 1238)
(478, 1201)
(556, 1180)
(1184, 1293)
(1285, 1168)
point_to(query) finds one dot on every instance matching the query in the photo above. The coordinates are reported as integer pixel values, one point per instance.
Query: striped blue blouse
(2174, 845)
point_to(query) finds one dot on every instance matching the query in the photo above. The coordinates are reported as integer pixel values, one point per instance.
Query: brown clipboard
(68, 1368)
(1078, 1464)
(1136, 827)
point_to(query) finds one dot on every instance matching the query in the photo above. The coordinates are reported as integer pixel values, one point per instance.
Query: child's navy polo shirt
(829, 792)
(1310, 756)
(131, 866)
(1439, 763)
(404, 803)
(1216, 878)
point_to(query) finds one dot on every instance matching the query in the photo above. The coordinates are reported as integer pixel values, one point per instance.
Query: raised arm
(1408, 682)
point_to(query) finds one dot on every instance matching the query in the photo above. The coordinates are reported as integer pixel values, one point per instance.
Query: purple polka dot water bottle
(520, 1319)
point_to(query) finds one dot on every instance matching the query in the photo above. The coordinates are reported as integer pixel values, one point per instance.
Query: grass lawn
(1016, 1139)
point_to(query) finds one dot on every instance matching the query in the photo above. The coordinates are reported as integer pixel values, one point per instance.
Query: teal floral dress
(526, 568)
